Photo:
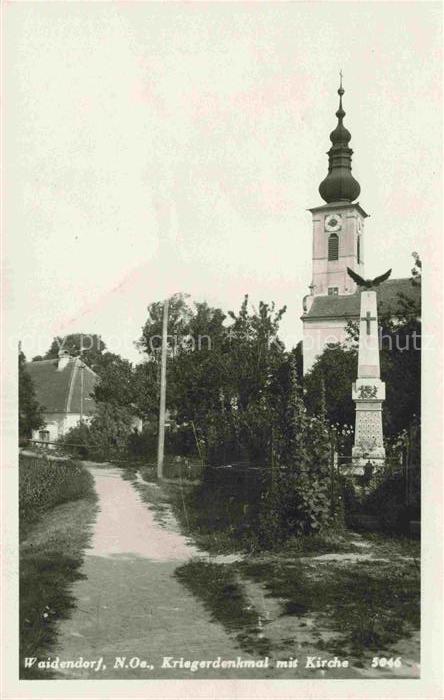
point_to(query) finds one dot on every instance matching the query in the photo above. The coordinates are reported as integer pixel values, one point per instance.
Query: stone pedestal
(368, 391)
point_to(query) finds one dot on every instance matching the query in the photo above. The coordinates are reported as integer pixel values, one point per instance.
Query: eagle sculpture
(369, 284)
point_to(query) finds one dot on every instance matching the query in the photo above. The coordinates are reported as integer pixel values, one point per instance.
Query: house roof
(60, 391)
(348, 305)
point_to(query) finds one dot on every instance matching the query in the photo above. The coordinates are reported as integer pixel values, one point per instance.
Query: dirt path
(131, 605)
(135, 606)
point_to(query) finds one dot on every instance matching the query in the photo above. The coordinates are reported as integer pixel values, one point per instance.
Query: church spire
(339, 185)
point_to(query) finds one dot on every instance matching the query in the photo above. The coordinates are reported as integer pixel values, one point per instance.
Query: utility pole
(161, 443)
(82, 367)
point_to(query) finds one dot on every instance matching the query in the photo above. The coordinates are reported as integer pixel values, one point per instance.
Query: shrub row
(44, 484)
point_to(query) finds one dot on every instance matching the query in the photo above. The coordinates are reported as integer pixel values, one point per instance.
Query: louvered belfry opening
(333, 246)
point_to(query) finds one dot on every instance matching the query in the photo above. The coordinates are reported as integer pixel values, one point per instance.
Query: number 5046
(383, 661)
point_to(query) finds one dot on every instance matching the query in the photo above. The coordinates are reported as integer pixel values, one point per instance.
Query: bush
(296, 504)
(144, 444)
(387, 502)
(44, 484)
(299, 500)
(106, 437)
(180, 440)
(381, 501)
(76, 442)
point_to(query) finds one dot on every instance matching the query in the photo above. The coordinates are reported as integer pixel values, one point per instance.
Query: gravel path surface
(130, 604)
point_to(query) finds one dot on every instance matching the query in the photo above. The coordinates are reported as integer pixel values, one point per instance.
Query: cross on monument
(368, 318)
(368, 390)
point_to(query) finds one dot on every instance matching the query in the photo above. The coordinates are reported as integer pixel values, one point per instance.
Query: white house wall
(57, 424)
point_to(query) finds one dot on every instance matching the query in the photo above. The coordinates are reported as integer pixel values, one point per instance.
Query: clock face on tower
(333, 222)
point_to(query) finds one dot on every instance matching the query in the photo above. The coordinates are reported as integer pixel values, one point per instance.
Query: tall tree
(116, 380)
(88, 346)
(30, 411)
(146, 386)
(220, 373)
(335, 369)
(179, 316)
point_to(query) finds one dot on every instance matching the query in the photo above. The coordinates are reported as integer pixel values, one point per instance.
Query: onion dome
(339, 185)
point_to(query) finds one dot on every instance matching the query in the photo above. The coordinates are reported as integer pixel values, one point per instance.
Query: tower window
(333, 291)
(358, 250)
(333, 246)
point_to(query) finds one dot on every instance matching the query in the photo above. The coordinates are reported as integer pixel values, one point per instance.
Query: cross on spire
(339, 185)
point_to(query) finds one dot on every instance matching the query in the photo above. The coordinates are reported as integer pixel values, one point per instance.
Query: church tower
(338, 225)
(338, 243)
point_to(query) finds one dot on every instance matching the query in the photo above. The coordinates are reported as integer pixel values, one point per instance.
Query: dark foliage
(107, 436)
(335, 369)
(43, 484)
(88, 346)
(223, 375)
(30, 412)
(299, 499)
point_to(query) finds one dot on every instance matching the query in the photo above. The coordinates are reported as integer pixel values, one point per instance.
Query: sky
(155, 148)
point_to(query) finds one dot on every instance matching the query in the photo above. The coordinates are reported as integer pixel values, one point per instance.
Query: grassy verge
(57, 506)
(184, 500)
(214, 529)
(359, 602)
(222, 593)
(364, 607)
(355, 611)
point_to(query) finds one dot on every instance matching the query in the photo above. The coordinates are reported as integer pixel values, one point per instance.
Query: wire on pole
(161, 442)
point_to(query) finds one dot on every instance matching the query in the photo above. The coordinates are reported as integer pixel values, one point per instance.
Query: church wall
(332, 273)
(319, 249)
(317, 335)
